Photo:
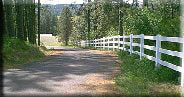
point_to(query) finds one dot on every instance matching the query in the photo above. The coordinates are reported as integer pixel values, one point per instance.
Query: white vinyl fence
(114, 42)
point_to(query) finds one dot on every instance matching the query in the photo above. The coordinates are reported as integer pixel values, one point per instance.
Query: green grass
(140, 78)
(68, 46)
(51, 43)
(17, 52)
(88, 47)
(57, 44)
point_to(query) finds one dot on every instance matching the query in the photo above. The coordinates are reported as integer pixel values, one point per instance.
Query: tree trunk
(88, 15)
(19, 19)
(25, 19)
(10, 29)
(1, 45)
(38, 22)
(32, 21)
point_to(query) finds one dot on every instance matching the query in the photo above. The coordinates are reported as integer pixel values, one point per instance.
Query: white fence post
(88, 43)
(123, 42)
(182, 73)
(119, 42)
(108, 43)
(85, 43)
(100, 43)
(97, 43)
(103, 42)
(158, 54)
(131, 41)
(141, 46)
(94, 42)
(113, 44)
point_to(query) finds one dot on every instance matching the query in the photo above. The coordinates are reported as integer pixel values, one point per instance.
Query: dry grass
(49, 41)
(103, 85)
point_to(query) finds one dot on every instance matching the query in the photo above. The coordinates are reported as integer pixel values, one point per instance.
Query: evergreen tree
(25, 19)
(31, 22)
(19, 19)
(39, 22)
(53, 25)
(65, 25)
(46, 21)
(1, 45)
(9, 26)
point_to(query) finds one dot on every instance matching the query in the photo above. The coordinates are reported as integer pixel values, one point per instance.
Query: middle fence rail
(118, 42)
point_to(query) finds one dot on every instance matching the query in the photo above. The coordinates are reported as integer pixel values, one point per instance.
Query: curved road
(71, 73)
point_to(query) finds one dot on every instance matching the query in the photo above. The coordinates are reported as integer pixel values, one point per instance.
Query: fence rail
(119, 42)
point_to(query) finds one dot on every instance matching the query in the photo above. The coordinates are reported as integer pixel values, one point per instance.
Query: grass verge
(17, 52)
(139, 78)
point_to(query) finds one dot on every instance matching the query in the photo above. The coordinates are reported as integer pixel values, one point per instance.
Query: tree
(53, 24)
(10, 29)
(39, 22)
(46, 21)
(78, 31)
(25, 19)
(19, 19)
(65, 25)
(88, 19)
(1, 41)
(31, 22)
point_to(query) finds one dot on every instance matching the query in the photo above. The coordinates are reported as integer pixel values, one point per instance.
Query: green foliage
(16, 52)
(20, 19)
(65, 25)
(9, 28)
(150, 22)
(78, 31)
(158, 18)
(48, 22)
(139, 77)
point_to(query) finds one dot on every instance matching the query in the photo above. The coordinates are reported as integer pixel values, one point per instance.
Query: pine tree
(10, 29)
(38, 22)
(65, 25)
(19, 19)
(1, 41)
(31, 22)
(25, 20)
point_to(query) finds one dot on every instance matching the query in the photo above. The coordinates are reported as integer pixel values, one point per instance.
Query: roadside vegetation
(16, 53)
(140, 78)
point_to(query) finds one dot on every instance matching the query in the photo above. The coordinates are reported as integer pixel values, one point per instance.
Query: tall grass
(17, 52)
(140, 78)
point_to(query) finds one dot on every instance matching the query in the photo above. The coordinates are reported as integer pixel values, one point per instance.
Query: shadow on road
(62, 75)
(58, 73)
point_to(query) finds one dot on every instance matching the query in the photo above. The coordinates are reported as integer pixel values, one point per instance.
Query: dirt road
(73, 72)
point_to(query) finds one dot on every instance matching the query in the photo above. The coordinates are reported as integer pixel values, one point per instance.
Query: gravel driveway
(74, 72)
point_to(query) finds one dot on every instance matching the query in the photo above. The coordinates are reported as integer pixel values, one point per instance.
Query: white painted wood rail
(118, 42)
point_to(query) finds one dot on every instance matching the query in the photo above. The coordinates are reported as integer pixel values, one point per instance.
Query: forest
(95, 19)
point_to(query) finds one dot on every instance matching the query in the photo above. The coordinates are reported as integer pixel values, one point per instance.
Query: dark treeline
(20, 19)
